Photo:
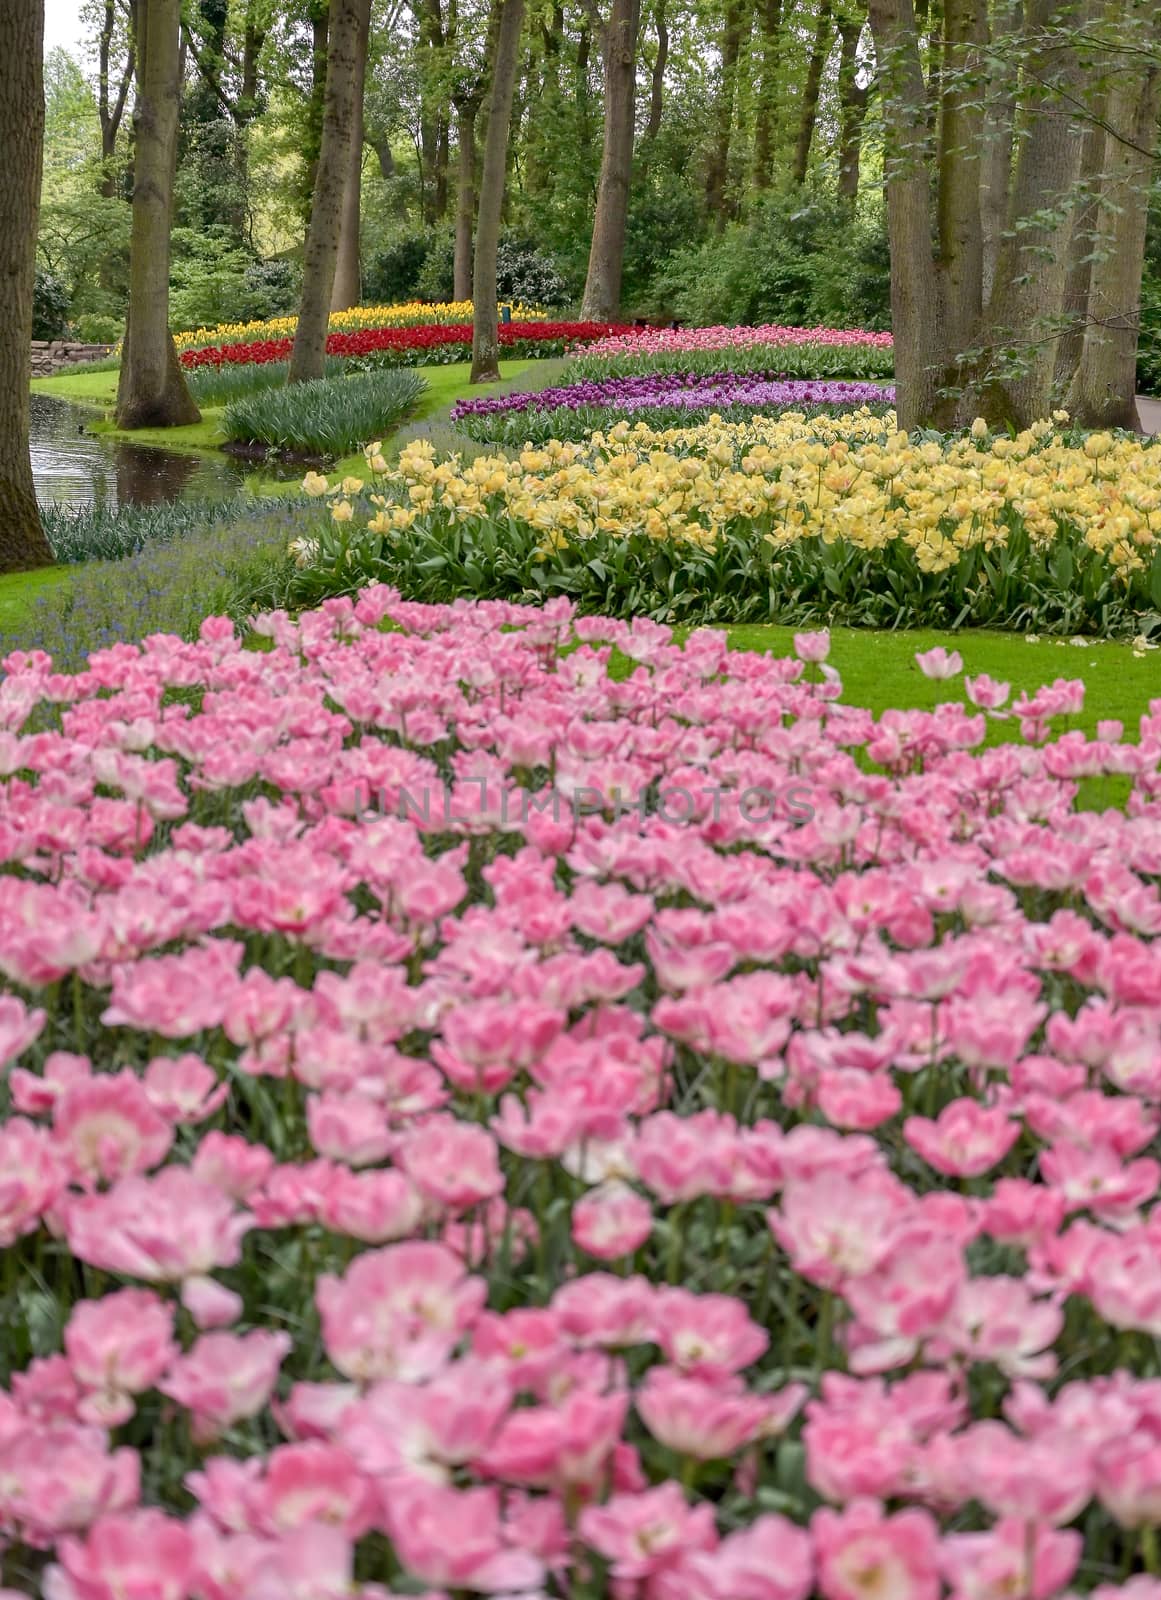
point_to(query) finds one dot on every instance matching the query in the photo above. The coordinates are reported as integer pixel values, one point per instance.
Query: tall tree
(308, 357)
(958, 350)
(22, 541)
(735, 21)
(485, 325)
(657, 72)
(811, 88)
(853, 97)
(618, 36)
(1102, 391)
(770, 32)
(348, 287)
(152, 391)
(114, 80)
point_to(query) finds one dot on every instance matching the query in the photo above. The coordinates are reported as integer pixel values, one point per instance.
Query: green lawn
(878, 670)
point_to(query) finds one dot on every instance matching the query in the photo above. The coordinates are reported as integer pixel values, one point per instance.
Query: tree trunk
(717, 177)
(657, 78)
(152, 391)
(770, 22)
(23, 545)
(808, 115)
(348, 289)
(308, 358)
(961, 242)
(916, 300)
(1081, 247)
(852, 108)
(1025, 309)
(320, 17)
(999, 125)
(110, 108)
(442, 157)
(485, 323)
(467, 110)
(602, 295)
(1103, 390)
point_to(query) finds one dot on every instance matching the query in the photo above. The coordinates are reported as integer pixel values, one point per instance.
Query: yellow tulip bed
(413, 314)
(778, 518)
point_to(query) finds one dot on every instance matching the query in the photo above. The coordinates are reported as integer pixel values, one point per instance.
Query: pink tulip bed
(476, 1121)
(769, 349)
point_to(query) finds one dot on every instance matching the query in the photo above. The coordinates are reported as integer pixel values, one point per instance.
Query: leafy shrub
(528, 276)
(208, 277)
(94, 328)
(800, 261)
(271, 290)
(525, 274)
(50, 306)
(436, 280)
(393, 274)
(330, 416)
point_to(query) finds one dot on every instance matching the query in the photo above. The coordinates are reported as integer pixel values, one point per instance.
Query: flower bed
(575, 410)
(790, 352)
(475, 1123)
(786, 519)
(424, 344)
(410, 315)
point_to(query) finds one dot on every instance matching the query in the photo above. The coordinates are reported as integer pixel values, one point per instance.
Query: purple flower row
(690, 391)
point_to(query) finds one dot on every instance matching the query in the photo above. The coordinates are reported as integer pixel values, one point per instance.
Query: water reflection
(73, 467)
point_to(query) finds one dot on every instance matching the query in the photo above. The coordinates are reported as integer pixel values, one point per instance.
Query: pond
(73, 467)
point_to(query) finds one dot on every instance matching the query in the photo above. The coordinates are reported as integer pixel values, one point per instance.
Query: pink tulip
(864, 1555)
(226, 1377)
(939, 663)
(117, 1348)
(397, 1312)
(143, 1553)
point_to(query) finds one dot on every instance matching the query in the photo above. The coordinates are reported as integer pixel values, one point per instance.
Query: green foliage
(168, 587)
(392, 276)
(782, 361)
(513, 429)
(221, 386)
(436, 280)
(93, 327)
(110, 533)
(50, 306)
(527, 276)
(330, 416)
(797, 260)
(1067, 589)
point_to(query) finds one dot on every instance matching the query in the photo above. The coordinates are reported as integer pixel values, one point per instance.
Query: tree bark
(348, 288)
(320, 17)
(602, 295)
(770, 22)
(961, 241)
(852, 108)
(23, 545)
(1081, 248)
(1025, 308)
(999, 126)
(152, 391)
(916, 300)
(808, 115)
(467, 110)
(718, 174)
(308, 358)
(1102, 393)
(657, 77)
(485, 321)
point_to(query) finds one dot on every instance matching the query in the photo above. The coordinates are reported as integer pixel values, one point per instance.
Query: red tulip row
(373, 341)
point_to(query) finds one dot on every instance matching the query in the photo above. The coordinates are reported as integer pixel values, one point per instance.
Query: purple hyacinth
(689, 391)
